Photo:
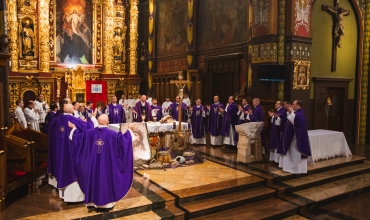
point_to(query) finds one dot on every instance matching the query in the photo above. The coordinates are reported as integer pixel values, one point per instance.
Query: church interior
(315, 51)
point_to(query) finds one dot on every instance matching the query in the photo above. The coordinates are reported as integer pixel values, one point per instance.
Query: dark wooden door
(223, 86)
(335, 112)
(27, 96)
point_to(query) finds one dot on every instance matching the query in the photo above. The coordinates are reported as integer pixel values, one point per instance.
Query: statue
(338, 19)
(27, 39)
(118, 44)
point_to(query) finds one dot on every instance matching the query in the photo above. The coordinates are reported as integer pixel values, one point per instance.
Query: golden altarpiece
(55, 45)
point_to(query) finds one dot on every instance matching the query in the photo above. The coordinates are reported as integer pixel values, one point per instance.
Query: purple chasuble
(230, 118)
(174, 111)
(139, 109)
(215, 119)
(87, 113)
(159, 112)
(286, 138)
(60, 162)
(198, 121)
(276, 130)
(257, 114)
(48, 119)
(245, 109)
(300, 128)
(103, 161)
(116, 114)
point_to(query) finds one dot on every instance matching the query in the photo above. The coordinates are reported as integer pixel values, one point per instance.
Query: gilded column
(108, 36)
(190, 33)
(281, 34)
(134, 13)
(150, 43)
(44, 27)
(13, 33)
(365, 76)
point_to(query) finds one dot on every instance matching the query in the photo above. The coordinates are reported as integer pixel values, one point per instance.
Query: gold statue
(118, 43)
(27, 38)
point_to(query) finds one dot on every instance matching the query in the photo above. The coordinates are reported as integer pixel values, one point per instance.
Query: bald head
(143, 98)
(103, 120)
(68, 108)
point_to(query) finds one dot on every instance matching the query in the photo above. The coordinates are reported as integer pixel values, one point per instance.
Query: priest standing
(174, 110)
(165, 106)
(230, 119)
(198, 121)
(60, 166)
(142, 107)
(243, 112)
(42, 107)
(32, 116)
(51, 114)
(215, 121)
(295, 158)
(18, 112)
(129, 105)
(103, 162)
(156, 109)
(278, 120)
(116, 113)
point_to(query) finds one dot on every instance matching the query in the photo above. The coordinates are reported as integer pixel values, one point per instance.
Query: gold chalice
(143, 118)
(154, 118)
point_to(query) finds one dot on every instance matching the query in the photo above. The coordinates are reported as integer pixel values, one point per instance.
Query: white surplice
(18, 112)
(42, 111)
(165, 105)
(33, 118)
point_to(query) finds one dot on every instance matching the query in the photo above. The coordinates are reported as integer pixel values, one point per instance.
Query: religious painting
(302, 16)
(28, 37)
(140, 146)
(80, 97)
(301, 78)
(222, 23)
(171, 27)
(73, 31)
(261, 15)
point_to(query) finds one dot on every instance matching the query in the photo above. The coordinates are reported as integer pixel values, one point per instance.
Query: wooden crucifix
(180, 85)
(338, 29)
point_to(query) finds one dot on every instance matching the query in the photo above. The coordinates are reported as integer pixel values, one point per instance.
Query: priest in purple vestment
(142, 107)
(278, 120)
(60, 162)
(88, 110)
(51, 114)
(243, 112)
(215, 121)
(198, 122)
(258, 115)
(230, 119)
(295, 158)
(103, 161)
(115, 112)
(174, 110)
(156, 109)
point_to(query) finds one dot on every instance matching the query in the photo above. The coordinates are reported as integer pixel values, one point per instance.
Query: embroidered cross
(215, 109)
(116, 111)
(61, 128)
(198, 112)
(177, 108)
(100, 143)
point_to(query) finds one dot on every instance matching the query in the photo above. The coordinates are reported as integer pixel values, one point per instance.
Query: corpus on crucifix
(180, 85)
(338, 29)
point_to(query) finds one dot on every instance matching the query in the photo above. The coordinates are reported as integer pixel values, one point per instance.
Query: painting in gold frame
(301, 77)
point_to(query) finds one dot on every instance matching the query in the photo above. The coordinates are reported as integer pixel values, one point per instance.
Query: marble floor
(221, 188)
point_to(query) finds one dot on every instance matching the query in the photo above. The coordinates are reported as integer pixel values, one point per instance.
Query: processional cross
(338, 29)
(180, 85)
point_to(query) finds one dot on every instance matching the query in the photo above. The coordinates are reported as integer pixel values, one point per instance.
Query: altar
(156, 127)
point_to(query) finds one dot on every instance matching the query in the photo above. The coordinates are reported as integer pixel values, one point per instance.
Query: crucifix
(338, 29)
(100, 143)
(180, 85)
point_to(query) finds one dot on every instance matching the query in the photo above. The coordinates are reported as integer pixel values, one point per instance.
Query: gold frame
(298, 66)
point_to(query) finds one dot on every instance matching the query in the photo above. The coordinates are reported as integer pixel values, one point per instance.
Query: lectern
(249, 145)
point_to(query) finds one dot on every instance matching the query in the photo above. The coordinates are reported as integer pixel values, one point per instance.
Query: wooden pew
(2, 179)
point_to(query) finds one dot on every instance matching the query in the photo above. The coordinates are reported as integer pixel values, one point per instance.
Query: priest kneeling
(103, 162)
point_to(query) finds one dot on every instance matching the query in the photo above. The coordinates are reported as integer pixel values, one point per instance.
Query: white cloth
(165, 106)
(70, 193)
(292, 161)
(128, 110)
(186, 101)
(122, 101)
(155, 127)
(274, 156)
(18, 112)
(137, 100)
(229, 140)
(33, 118)
(76, 114)
(217, 140)
(149, 100)
(42, 112)
(325, 144)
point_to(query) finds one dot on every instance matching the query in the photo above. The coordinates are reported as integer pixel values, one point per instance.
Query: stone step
(272, 208)
(207, 206)
(333, 191)
(325, 177)
(157, 214)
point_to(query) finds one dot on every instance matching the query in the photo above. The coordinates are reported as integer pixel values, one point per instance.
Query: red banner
(96, 91)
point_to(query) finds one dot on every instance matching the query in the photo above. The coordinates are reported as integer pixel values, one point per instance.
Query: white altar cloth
(325, 144)
(155, 127)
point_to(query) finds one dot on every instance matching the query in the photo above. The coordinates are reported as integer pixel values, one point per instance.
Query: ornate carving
(97, 27)
(28, 63)
(52, 9)
(13, 94)
(108, 36)
(173, 65)
(13, 33)
(134, 13)
(28, 37)
(76, 82)
(27, 7)
(44, 35)
(46, 91)
(281, 44)
(59, 80)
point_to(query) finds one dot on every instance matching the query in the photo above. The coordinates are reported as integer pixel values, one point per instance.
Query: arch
(28, 95)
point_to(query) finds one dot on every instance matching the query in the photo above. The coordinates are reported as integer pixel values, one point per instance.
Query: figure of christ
(156, 110)
(103, 162)
(62, 175)
(198, 122)
(338, 16)
(294, 145)
(174, 110)
(278, 120)
(115, 112)
(229, 120)
(142, 108)
(215, 121)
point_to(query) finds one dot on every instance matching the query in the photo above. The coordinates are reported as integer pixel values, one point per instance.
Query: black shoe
(90, 208)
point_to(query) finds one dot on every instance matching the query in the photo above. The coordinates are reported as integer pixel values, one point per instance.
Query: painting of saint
(222, 23)
(302, 76)
(73, 31)
(172, 23)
